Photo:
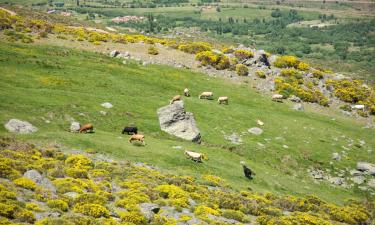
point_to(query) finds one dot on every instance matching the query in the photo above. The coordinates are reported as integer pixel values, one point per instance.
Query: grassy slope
(46, 81)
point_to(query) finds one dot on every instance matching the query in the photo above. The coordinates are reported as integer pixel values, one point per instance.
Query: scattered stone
(294, 98)
(336, 180)
(358, 179)
(33, 175)
(234, 138)
(107, 105)
(298, 107)
(366, 167)
(104, 113)
(114, 53)
(42, 215)
(336, 156)
(149, 210)
(74, 127)
(20, 127)
(260, 123)
(72, 194)
(176, 121)
(371, 183)
(285, 146)
(255, 131)
(177, 147)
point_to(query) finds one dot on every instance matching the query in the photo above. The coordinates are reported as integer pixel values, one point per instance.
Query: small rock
(177, 147)
(114, 53)
(260, 123)
(33, 175)
(358, 179)
(149, 210)
(74, 127)
(371, 183)
(42, 215)
(366, 167)
(255, 131)
(298, 107)
(336, 180)
(234, 138)
(71, 194)
(104, 113)
(336, 156)
(294, 98)
(20, 127)
(285, 146)
(107, 105)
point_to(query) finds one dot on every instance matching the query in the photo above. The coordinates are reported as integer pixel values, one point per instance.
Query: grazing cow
(223, 100)
(175, 98)
(206, 95)
(186, 92)
(277, 98)
(195, 156)
(130, 130)
(247, 171)
(86, 127)
(137, 137)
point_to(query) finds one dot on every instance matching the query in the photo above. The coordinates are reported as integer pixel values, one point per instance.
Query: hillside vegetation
(83, 189)
(51, 86)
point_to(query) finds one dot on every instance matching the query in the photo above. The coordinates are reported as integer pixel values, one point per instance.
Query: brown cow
(175, 98)
(86, 127)
(137, 137)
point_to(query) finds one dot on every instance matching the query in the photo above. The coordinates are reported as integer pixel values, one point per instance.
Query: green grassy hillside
(40, 83)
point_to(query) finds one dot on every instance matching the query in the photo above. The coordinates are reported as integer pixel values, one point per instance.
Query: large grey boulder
(369, 168)
(20, 127)
(176, 121)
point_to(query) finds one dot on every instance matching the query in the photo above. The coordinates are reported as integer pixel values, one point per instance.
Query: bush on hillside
(152, 50)
(242, 54)
(216, 60)
(242, 70)
(195, 47)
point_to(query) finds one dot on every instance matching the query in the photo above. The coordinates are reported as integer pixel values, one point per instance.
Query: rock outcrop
(176, 121)
(20, 127)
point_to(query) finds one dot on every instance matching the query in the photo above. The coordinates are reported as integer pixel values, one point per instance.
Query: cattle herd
(195, 156)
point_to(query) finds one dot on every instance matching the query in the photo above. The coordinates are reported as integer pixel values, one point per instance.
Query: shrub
(152, 50)
(33, 207)
(260, 74)
(24, 215)
(216, 60)
(174, 194)
(318, 74)
(242, 54)
(58, 204)
(195, 47)
(351, 91)
(234, 214)
(6, 171)
(25, 183)
(291, 73)
(203, 210)
(91, 198)
(76, 172)
(133, 217)
(213, 180)
(242, 70)
(93, 210)
(286, 61)
(79, 161)
(303, 66)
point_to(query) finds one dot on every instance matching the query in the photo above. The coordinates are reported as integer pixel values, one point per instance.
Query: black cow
(248, 173)
(130, 130)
